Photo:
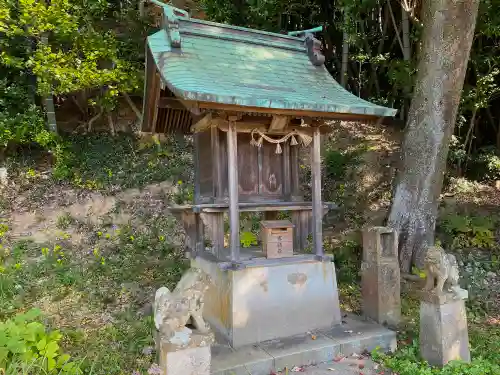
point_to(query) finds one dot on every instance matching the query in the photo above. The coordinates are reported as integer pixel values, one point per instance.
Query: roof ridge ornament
(171, 22)
(314, 50)
(313, 45)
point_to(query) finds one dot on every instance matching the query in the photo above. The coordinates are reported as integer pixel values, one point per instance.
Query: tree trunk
(345, 59)
(405, 22)
(446, 42)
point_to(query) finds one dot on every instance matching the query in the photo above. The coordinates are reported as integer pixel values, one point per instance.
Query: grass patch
(65, 221)
(99, 297)
(101, 163)
(484, 337)
(117, 163)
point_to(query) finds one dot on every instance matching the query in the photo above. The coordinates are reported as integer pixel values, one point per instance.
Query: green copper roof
(211, 62)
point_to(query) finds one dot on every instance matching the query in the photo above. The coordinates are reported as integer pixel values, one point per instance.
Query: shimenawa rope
(304, 139)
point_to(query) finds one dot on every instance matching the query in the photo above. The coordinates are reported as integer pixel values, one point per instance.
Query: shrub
(21, 124)
(407, 362)
(27, 347)
(469, 231)
(485, 165)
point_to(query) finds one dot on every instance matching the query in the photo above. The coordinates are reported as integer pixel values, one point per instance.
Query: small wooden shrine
(252, 99)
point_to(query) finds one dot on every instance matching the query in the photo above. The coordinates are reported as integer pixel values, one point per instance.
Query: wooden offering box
(277, 238)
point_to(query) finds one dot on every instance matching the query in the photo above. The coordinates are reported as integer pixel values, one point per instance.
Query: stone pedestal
(265, 302)
(443, 328)
(380, 276)
(188, 353)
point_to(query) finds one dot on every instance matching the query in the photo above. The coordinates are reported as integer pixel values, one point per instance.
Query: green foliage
(401, 75)
(21, 122)
(64, 221)
(485, 164)
(184, 193)
(469, 231)
(248, 239)
(75, 54)
(407, 361)
(476, 270)
(113, 278)
(95, 162)
(347, 257)
(336, 164)
(58, 48)
(24, 340)
(418, 272)
(339, 163)
(339, 166)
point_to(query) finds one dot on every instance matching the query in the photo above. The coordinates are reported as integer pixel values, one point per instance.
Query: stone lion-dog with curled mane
(184, 305)
(441, 270)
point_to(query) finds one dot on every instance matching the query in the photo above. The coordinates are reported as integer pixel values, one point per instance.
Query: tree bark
(405, 22)
(446, 43)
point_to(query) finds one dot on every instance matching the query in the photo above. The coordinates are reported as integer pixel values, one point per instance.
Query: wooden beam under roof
(175, 103)
(277, 114)
(278, 123)
(248, 126)
(287, 112)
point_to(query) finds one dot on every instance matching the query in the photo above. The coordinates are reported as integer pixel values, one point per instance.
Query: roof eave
(300, 113)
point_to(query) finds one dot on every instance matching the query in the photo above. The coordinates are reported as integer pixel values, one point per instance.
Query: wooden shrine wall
(263, 175)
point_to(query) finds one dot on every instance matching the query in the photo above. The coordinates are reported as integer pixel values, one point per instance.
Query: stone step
(354, 335)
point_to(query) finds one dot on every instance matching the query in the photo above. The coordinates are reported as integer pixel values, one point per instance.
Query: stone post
(187, 353)
(443, 322)
(182, 350)
(380, 276)
(443, 329)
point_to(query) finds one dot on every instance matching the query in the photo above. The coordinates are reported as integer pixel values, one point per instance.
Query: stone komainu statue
(184, 305)
(441, 270)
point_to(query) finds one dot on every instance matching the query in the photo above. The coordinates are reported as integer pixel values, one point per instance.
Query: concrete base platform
(354, 335)
(270, 301)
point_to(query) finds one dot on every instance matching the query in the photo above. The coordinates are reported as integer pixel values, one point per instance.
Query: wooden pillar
(294, 174)
(152, 88)
(287, 178)
(317, 205)
(196, 158)
(218, 191)
(234, 214)
(200, 235)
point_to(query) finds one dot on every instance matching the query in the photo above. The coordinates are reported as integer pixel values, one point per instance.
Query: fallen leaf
(313, 337)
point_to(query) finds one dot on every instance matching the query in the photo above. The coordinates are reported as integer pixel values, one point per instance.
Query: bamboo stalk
(468, 139)
(384, 30)
(345, 59)
(369, 51)
(395, 26)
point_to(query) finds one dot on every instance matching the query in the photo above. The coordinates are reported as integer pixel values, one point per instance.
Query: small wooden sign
(277, 238)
